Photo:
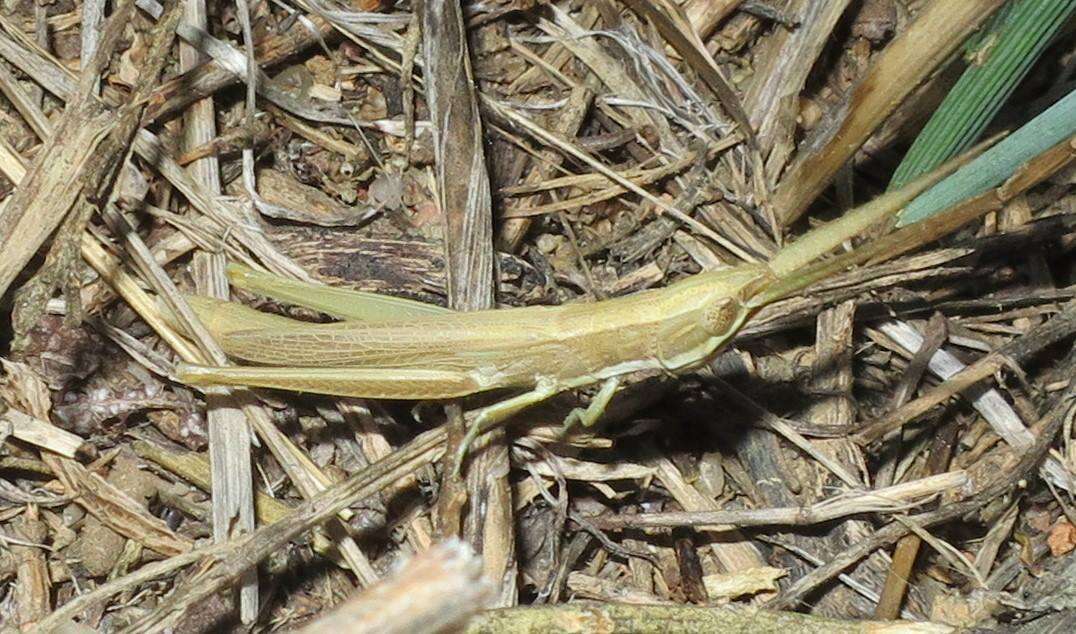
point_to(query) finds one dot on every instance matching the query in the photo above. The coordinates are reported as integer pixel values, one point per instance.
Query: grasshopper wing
(340, 303)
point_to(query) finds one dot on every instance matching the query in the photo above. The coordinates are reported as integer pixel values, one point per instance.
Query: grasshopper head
(731, 299)
(721, 316)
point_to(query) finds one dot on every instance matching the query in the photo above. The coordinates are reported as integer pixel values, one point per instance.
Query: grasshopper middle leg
(544, 389)
(489, 416)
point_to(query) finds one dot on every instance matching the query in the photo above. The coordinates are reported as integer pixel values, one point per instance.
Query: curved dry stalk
(893, 499)
(909, 59)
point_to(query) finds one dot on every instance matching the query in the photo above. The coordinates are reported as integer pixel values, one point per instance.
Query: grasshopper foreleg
(593, 412)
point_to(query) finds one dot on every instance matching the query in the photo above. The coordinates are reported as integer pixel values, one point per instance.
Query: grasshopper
(389, 348)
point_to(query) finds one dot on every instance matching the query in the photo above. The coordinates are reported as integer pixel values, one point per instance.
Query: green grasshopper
(389, 348)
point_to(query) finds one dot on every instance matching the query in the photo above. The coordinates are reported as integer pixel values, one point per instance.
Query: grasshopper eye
(721, 316)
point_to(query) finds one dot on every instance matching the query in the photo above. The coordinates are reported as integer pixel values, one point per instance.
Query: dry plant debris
(893, 445)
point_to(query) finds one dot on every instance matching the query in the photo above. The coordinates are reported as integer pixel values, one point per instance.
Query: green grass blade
(995, 165)
(1012, 45)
